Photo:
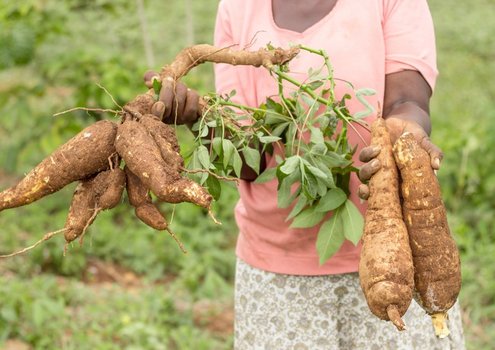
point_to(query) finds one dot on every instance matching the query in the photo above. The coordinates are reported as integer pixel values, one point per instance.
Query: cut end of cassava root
(439, 321)
(395, 317)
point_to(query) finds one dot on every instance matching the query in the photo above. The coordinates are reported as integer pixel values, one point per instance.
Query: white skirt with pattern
(287, 312)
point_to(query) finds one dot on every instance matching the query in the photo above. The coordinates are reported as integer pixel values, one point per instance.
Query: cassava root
(148, 147)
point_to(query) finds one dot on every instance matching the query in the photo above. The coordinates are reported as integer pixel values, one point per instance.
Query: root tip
(394, 317)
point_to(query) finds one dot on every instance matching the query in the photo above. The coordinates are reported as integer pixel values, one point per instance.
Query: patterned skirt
(287, 312)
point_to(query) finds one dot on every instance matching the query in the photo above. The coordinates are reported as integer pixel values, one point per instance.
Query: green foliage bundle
(311, 126)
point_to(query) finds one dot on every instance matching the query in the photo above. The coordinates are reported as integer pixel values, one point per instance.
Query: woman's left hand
(396, 127)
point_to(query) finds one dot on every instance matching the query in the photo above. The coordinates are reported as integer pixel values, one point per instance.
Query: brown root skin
(192, 56)
(143, 158)
(91, 196)
(151, 216)
(395, 317)
(140, 198)
(385, 268)
(85, 154)
(435, 255)
(166, 139)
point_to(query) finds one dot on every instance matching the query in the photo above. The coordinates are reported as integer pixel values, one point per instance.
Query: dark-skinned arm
(406, 109)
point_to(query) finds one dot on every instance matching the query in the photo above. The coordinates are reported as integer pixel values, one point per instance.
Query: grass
(129, 286)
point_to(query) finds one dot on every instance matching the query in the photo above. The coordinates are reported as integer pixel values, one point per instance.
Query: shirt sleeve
(410, 38)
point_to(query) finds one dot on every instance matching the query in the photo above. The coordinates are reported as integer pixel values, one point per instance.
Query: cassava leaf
(214, 187)
(269, 139)
(217, 145)
(283, 194)
(307, 218)
(352, 221)
(204, 131)
(290, 165)
(333, 199)
(237, 164)
(267, 175)
(204, 157)
(316, 136)
(157, 86)
(228, 150)
(301, 203)
(252, 158)
(330, 238)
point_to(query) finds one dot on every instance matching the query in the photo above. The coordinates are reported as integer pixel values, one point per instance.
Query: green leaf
(214, 187)
(267, 175)
(204, 157)
(315, 84)
(157, 86)
(237, 163)
(269, 139)
(204, 131)
(319, 149)
(316, 136)
(217, 145)
(330, 238)
(252, 158)
(279, 129)
(307, 218)
(333, 199)
(228, 150)
(316, 172)
(290, 165)
(310, 186)
(284, 194)
(301, 203)
(353, 222)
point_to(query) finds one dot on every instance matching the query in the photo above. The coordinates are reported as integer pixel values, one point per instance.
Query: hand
(396, 127)
(177, 104)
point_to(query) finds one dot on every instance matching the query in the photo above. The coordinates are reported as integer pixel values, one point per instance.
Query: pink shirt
(365, 40)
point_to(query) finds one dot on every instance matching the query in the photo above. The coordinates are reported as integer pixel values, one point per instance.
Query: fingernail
(158, 109)
(170, 79)
(376, 148)
(436, 163)
(375, 163)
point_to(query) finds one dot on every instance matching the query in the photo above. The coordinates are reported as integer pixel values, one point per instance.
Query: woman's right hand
(177, 104)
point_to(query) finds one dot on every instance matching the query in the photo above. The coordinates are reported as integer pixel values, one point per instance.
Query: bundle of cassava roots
(139, 153)
(407, 247)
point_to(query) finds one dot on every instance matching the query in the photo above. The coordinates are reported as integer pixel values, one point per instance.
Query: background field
(129, 286)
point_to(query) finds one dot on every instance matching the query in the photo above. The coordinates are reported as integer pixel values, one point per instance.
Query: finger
(167, 96)
(363, 191)
(368, 153)
(148, 78)
(178, 104)
(368, 169)
(191, 108)
(158, 109)
(436, 154)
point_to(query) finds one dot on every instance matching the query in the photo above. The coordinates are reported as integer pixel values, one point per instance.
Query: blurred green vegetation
(53, 54)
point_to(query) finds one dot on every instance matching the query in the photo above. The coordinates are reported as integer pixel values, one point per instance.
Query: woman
(284, 298)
